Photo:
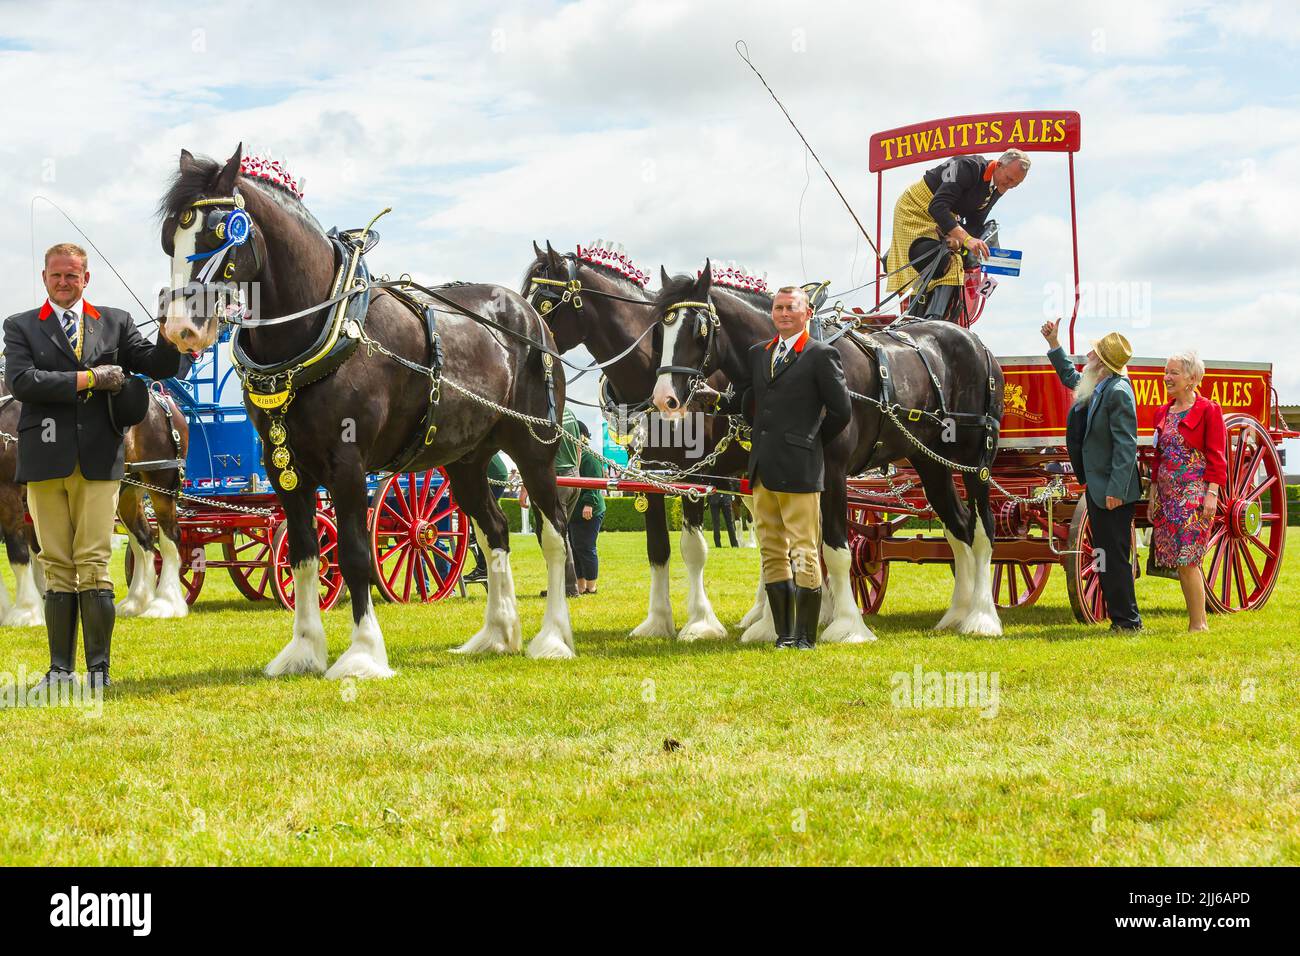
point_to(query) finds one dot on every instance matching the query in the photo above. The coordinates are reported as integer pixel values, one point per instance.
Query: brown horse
(150, 594)
(367, 412)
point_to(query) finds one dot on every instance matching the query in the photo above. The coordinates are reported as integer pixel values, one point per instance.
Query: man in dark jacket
(799, 402)
(63, 361)
(1105, 415)
(947, 209)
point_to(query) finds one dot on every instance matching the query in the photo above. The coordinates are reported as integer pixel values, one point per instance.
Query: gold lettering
(965, 134)
(888, 145)
(1060, 131)
(1017, 134)
(979, 133)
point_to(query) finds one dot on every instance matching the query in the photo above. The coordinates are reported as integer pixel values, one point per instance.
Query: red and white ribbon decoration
(602, 253)
(271, 171)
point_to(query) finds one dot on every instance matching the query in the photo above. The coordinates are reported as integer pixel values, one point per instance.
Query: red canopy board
(1034, 131)
(1035, 403)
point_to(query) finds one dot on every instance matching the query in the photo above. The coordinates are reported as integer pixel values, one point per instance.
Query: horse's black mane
(674, 290)
(613, 273)
(195, 179)
(763, 299)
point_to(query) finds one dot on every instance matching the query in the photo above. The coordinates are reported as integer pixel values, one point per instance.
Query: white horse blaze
(701, 622)
(555, 639)
(846, 625)
(305, 652)
(664, 383)
(983, 616)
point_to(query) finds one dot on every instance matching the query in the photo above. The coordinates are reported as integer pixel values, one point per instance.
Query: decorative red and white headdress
(611, 255)
(270, 170)
(736, 277)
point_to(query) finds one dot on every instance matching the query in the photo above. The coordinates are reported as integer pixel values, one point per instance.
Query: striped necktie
(70, 330)
(779, 356)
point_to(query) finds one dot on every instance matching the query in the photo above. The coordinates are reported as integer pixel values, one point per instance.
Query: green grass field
(1162, 748)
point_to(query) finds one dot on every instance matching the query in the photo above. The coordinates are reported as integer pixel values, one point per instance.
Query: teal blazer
(1110, 442)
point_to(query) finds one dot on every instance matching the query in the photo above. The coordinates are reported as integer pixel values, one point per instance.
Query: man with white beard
(1107, 450)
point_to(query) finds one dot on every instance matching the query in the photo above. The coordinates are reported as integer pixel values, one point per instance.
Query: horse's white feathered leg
(659, 618)
(963, 561)
(847, 625)
(169, 597)
(555, 639)
(143, 581)
(305, 652)
(983, 616)
(29, 607)
(502, 632)
(701, 622)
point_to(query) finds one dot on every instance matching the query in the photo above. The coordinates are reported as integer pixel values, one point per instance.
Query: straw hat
(1114, 351)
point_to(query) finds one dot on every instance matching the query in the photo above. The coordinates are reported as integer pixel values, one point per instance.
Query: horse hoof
(488, 641)
(360, 665)
(550, 646)
(300, 656)
(166, 608)
(847, 632)
(24, 617)
(707, 630)
(981, 624)
(655, 626)
(762, 631)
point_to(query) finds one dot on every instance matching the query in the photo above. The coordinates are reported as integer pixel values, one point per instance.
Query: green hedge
(1293, 504)
(620, 514)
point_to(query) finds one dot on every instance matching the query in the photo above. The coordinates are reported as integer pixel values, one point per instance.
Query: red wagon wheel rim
(250, 548)
(1087, 599)
(191, 579)
(1019, 583)
(869, 573)
(418, 537)
(329, 576)
(1244, 555)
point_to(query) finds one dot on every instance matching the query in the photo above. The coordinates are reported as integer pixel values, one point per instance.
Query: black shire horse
(370, 412)
(609, 314)
(935, 366)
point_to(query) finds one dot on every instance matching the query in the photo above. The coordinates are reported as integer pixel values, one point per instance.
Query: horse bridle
(234, 228)
(550, 294)
(708, 330)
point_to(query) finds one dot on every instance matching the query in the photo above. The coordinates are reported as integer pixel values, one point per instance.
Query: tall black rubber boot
(98, 613)
(807, 609)
(61, 631)
(780, 597)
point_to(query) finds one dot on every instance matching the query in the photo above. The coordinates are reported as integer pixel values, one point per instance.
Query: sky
(486, 126)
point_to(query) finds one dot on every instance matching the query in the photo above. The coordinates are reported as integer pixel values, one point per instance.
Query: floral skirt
(1179, 534)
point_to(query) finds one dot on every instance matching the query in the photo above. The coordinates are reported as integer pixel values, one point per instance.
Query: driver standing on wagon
(947, 207)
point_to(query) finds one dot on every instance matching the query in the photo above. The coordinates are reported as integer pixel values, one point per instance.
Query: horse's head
(687, 338)
(214, 246)
(551, 284)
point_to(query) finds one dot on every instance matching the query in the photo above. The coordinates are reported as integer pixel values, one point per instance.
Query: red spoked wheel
(1019, 583)
(192, 571)
(418, 537)
(869, 572)
(250, 550)
(1244, 556)
(330, 577)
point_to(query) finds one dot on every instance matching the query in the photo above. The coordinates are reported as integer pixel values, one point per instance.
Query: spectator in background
(587, 517)
(720, 503)
(1189, 470)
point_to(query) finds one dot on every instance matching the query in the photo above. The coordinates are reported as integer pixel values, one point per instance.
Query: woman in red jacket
(1190, 468)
